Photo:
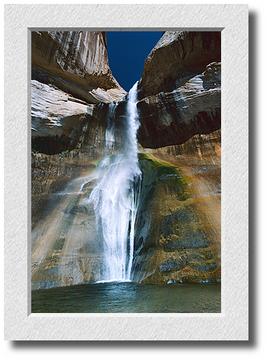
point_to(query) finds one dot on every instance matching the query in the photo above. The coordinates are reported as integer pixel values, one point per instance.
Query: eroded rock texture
(76, 62)
(51, 171)
(178, 230)
(180, 97)
(70, 77)
(177, 57)
(64, 246)
(57, 118)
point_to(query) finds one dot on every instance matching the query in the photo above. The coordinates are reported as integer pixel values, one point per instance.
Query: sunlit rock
(76, 62)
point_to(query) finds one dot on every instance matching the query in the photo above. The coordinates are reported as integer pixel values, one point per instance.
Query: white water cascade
(116, 194)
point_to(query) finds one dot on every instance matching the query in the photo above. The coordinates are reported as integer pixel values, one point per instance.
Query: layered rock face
(180, 97)
(177, 57)
(76, 62)
(51, 173)
(57, 118)
(178, 231)
(64, 246)
(70, 77)
(178, 228)
(71, 88)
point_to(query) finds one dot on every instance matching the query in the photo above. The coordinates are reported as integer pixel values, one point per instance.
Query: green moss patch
(162, 172)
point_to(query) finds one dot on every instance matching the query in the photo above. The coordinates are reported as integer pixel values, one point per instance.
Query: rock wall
(71, 88)
(70, 78)
(51, 173)
(178, 230)
(177, 57)
(76, 62)
(180, 97)
(174, 117)
(64, 246)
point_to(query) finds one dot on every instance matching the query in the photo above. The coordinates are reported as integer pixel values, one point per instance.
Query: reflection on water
(128, 297)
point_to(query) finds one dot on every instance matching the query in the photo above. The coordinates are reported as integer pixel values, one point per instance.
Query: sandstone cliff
(178, 230)
(177, 57)
(76, 62)
(70, 76)
(180, 97)
(178, 236)
(70, 79)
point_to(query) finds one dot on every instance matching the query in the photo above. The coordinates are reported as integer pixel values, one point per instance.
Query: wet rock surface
(178, 229)
(173, 264)
(189, 240)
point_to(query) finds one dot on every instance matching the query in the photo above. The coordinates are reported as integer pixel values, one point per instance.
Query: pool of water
(129, 298)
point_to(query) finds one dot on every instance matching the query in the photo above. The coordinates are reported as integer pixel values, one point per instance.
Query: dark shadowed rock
(173, 264)
(190, 240)
(209, 266)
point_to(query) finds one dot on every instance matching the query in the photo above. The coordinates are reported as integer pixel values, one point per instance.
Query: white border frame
(232, 322)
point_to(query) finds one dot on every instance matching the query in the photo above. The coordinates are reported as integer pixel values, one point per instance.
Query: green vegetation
(159, 171)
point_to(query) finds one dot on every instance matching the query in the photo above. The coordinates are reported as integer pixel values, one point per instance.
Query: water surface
(129, 298)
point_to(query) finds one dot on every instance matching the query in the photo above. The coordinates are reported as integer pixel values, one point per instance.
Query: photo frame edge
(19, 325)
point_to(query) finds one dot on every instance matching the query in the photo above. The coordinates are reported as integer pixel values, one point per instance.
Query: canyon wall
(70, 77)
(76, 62)
(180, 89)
(71, 80)
(178, 232)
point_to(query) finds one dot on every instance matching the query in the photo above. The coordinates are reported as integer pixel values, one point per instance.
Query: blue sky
(127, 51)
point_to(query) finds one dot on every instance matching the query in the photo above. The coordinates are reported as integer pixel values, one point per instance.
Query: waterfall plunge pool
(128, 297)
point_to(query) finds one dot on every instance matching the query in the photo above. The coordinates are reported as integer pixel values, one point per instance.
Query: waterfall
(109, 134)
(115, 196)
